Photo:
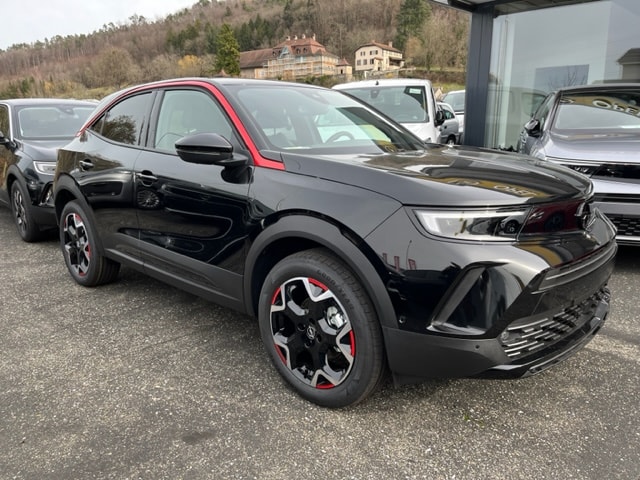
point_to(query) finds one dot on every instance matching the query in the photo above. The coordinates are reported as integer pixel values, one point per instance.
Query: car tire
(451, 141)
(81, 253)
(321, 330)
(22, 215)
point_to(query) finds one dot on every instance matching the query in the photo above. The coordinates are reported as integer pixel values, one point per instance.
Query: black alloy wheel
(22, 215)
(321, 330)
(78, 242)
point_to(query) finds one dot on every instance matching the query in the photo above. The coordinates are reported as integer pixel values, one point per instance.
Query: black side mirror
(532, 127)
(439, 117)
(7, 142)
(208, 149)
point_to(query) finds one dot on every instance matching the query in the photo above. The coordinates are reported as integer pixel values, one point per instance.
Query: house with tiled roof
(295, 57)
(377, 57)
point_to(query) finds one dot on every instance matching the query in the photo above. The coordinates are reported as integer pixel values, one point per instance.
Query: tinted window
(125, 122)
(187, 112)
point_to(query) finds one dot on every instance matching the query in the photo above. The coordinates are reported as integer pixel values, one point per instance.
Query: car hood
(445, 176)
(43, 150)
(615, 147)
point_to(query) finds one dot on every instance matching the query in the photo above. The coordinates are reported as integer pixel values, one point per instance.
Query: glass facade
(538, 51)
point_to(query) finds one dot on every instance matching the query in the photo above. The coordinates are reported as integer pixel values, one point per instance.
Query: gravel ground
(136, 380)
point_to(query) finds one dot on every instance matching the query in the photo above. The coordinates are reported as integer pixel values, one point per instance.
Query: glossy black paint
(443, 304)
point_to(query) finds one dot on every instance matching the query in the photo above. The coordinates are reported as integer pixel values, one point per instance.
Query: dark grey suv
(595, 130)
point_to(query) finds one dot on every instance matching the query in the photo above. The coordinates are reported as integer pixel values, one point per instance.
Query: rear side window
(125, 122)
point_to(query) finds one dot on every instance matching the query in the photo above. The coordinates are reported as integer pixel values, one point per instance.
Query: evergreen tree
(411, 17)
(228, 52)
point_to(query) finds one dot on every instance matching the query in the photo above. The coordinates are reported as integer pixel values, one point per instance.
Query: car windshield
(456, 100)
(321, 121)
(599, 111)
(52, 121)
(404, 104)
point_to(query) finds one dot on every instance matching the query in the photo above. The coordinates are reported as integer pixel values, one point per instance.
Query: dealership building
(520, 50)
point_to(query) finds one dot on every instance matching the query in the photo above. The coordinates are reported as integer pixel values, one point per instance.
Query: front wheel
(78, 242)
(22, 215)
(320, 329)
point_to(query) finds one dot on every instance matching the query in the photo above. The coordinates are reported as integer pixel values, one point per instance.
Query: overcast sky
(27, 21)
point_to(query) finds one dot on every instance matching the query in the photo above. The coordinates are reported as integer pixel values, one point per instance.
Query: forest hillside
(432, 38)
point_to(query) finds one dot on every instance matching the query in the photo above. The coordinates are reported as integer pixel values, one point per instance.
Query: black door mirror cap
(208, 149)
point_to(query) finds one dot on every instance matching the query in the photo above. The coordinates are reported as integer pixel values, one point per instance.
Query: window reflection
(536, 52)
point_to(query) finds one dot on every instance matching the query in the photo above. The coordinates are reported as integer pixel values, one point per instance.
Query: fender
(66, 189)
(14, 174)
(327, 235)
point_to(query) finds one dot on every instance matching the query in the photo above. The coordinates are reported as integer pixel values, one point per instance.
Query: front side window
(126, 121)
(187, 112)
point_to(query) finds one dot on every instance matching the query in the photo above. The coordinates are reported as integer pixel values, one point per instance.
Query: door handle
(147, 178)
(86, 164)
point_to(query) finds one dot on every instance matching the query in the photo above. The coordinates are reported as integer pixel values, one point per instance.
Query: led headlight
(479, 225)
(47, 168)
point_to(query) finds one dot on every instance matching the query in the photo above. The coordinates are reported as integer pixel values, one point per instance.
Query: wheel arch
(65, 191)
(297, 232)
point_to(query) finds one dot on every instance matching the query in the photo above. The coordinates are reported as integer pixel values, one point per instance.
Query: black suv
(358, 248)
(31, 131)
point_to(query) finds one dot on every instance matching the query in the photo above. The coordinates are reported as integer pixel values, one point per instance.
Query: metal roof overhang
(501, 7)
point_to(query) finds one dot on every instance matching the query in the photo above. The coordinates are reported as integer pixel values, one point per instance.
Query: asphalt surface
(136, 380)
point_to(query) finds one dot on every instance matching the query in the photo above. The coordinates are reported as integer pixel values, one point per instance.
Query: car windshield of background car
(595, 112)
(403, 104)
(51, 121)
(456, 100)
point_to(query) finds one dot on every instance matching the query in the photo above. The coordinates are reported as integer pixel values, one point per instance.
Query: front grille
(627, 226)
(524, 337)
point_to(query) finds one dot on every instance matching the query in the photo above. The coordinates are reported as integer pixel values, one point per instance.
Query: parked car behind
(408, 101)
(595, 130)
(456, 99)
(450, 128)
(358, 247)
(31, 131)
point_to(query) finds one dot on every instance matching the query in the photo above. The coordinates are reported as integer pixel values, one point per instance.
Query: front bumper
(507, 310)
(417, 356)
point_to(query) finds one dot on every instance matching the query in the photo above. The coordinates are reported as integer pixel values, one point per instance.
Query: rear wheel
(78, 241)
(22, 214)
(321, 330)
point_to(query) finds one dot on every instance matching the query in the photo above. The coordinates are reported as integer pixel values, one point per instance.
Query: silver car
(595, 130)
(456, 98)
(450, 128)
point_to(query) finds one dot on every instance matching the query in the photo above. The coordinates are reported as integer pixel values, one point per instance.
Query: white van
(408, 101)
